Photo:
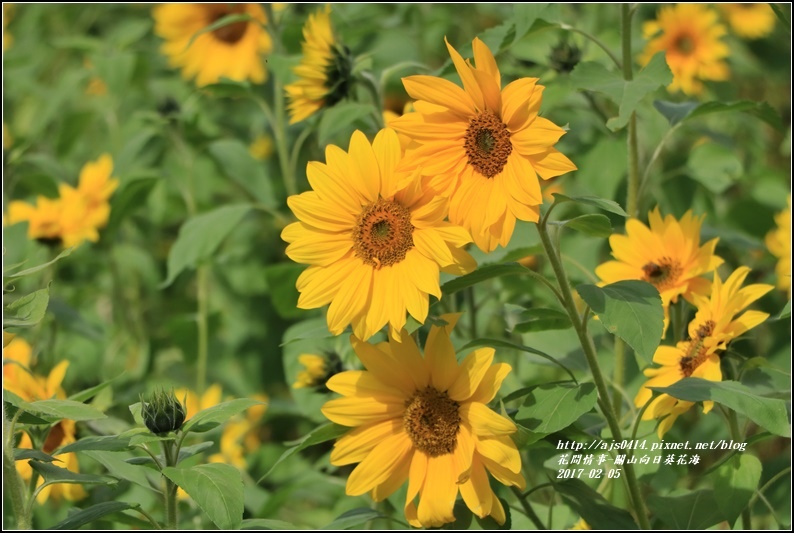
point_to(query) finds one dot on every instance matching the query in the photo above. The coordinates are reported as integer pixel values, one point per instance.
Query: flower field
(397, 266)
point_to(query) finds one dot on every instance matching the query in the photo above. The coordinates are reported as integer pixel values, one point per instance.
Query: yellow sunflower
(314, 372)
(374, 238)
(86, 209)
(425, 420)
(44, 219)
(750, 21)
(714, 326)
(233, 51)
(482, 146)
(779, 243)
(668, 255)
(690, 36)
(324, 71)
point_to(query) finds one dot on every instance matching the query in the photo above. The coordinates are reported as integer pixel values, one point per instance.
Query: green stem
(11, 478)
(296, 148)
(528, 510)
(150, 518)
(592, 361)
(202, 292)
(628, 75)
(595, 40)
(171, 518)
(618, 375)
(733, 423)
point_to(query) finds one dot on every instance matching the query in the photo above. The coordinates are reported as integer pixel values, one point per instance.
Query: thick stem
(16, 490)
(633, 161)
(736, 435)
(528, 510)
(169, 494)
(592, 362)
(202, 294)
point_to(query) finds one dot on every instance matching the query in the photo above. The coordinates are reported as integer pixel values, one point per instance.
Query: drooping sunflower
(716, 323)
(691, 38)
(232, 51)
(483, 146)
(778, 241)
(750, 21)
(668, 255)
(425, 420)
(324, 72)
(374, 238)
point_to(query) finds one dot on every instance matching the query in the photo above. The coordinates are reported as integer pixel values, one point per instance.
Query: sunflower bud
(564, 57)
(163, 412)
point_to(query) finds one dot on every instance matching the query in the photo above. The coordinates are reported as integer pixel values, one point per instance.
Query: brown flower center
(487, 144)
(696, 353)
(230, 33)
(684, 44)
(662, 274)
(54, 438)
(432, 421)
(383, 233)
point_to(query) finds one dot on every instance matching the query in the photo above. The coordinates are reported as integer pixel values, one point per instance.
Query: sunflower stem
(592, 361)
(736, 434)
(528, 510)
(169, 493)
(202, 282)
(11, 478)
(618, 374)
(628, 75)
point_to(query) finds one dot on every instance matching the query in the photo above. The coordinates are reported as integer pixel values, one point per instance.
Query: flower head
(690, 36)
(317, 371)
(424, 420)
(779, 243)
(324, 72)
(163, 412)
(232, 51)
(374, 239)
(483, 146)
(750, 21)
(714, 326)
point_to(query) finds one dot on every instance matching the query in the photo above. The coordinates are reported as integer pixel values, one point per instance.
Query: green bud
(163, 412)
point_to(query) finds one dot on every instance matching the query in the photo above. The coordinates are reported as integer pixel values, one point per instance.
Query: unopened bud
(163, 412)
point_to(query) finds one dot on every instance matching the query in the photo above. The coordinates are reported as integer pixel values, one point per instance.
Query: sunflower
(44, 219)
(668, 256)
(779, 243)
(425, 420)
(374, 239)
(482, 146)
(324, 71)
(750, 21)
(232, 51)
(714, 326)
(690, 36)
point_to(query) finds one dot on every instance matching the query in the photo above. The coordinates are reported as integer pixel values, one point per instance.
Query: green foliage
(212, 417)
(216, 488)
(693, 510)
(592, 507)
(26, 311)
(550, 408)
(91, 513)
(735, 482)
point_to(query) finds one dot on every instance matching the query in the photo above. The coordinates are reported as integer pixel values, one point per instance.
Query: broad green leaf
(116, 70)
(65, 409)
(341, 118)
(22, 454)
(694, 510)
(11, 276)
(735, 482)
(785, 312)
(769, 413)
(87, 394)
(596, 225)
(761, 110)
(498, 343)
(54, 474)
(110, 444)
(352, 518)
(89, 514)
(26, 311)
(525, 16)
(114, 462)
(235, 162)
(132, 195)
(190, 451)
(674, 112)
(595, 77)
(14, 404)
(314, 328)
(483, 273)
(601, 203)
(714, 166)
(541, 319)
(592, 507)
(630, 309)
(550, 408)
(200, 236)
(281, 279)
(266, 523)
(321, 434)
(216, 488)
(212, 417)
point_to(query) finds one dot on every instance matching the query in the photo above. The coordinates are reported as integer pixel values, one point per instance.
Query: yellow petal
(379, 464)
(354, 446)
(485, 422)
(476, 492)
(438, 494)
(472, 371)
(440, 92)
(357, 411)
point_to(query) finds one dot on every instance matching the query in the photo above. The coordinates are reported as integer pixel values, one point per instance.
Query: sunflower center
(230, 33)
(432, 421)
(383, 233)
(662, 274)
(684, 44)
(696, 353)
(487, 144)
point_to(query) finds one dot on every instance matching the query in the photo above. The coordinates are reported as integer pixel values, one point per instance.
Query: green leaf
(714, 166)
(525, 16)
(630, 309)
(87, 394)
(137, 414)
(132, 195)
(735, 482)
(65, 409)
(785, 312)
(517, 254)
(200, 236)
(109, 443)
(216, 488)
(592, 507)
(601, 203)
(321, 434)
(482, 273)
(341, 118)
(354, 517)
(32, 270)
(760, 110)
(674, 112)
(314, 328)
(769, 413)
(53, 474)
(26, 311)
(694, 510)
(782, 15)
(541, 319)
(281, 279)
(94, 512)
(14, 403)
(190, 451)
(266, 523)
(122, 469)
(21, 454)
(235, 162)
(227, 88)
(596, 225)
(212, 417)
(550, 408)
(497, 343)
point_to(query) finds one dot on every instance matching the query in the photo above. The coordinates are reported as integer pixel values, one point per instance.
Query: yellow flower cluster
(77, 214)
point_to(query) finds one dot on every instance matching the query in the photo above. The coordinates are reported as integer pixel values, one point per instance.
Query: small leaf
(735, 482)
(124, 470)
(132, 195)
(601, 203)
(592, 507)
(26, 311)
(769, 413)
(110, 444)
(541, 319)
(652, 76)
(483, 273)
(12, 406)
(761, 110)
(321, 434)
(495, 343)
(32, 270)
(87, 394)
(22, 454)
(212, 417)
(352, 518)
(190, 451)
(216, 488)
(596, 225)
(785, 312)
(200, 236)
(53, 474)
(694, 510)
(550, 408)
(630, 309)
(94, 512)
(674, 112)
